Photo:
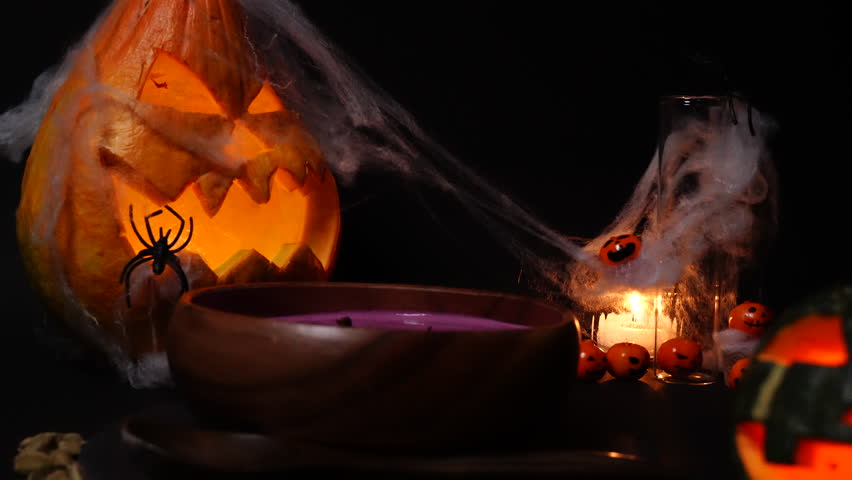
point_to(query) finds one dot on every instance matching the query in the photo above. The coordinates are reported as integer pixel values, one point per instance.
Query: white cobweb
(718, 195)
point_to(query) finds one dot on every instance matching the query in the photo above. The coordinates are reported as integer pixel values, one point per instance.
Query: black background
(556, 105)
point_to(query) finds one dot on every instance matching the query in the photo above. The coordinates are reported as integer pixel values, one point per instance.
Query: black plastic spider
(159, 251)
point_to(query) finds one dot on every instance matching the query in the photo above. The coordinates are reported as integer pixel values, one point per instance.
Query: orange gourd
(592, 364)
(793, 411)
(679, 356)
(735, 375)
(628, 361)
(751, 317)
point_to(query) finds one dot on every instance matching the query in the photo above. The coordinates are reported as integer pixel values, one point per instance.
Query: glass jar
(714, 208)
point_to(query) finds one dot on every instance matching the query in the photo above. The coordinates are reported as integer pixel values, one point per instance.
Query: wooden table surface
(662, 431)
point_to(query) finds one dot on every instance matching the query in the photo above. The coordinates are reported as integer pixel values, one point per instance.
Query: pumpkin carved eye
(171, 83)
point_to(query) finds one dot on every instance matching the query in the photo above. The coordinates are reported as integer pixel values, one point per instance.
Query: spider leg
(168, 232)
(173, 262)
(139, 256)
(188, 238)
(129, 271)
(148, 225)
(180, 229)
(135, 230)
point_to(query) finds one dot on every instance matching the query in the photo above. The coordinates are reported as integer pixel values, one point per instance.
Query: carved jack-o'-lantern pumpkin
(751, 317)
(628, 360)
(794, 402)
(679, 356)
(166, 105)
(738, 369)
(620, 249)
(592, 364)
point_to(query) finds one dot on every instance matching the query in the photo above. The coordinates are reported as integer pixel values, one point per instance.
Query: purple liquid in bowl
(395, 320)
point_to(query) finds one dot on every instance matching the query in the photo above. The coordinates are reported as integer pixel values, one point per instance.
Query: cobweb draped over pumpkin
(358, 126)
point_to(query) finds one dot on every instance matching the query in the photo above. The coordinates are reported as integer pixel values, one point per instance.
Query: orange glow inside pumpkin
(240, 224)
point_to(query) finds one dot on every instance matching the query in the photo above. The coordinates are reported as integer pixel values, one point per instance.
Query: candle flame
(640, 322)
(634, 301)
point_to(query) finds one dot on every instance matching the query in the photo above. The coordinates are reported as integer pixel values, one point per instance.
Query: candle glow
(635, 323)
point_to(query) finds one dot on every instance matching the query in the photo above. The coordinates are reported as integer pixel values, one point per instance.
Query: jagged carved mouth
(755, 324)
(238, 228)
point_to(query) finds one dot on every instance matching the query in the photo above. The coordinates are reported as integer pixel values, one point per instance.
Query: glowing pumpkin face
(592, 365)
(167, 106)
(628, 360)
(793, 411)
(620, 249)
(679, 356)
(750, 317)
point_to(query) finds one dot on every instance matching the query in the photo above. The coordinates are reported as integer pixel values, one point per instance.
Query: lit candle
(635, 323)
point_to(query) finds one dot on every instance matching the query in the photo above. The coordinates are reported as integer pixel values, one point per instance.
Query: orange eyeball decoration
(620, 249)
(679, 356)
(628, 360)
(737, 370)
(751, 317)
(592, 365)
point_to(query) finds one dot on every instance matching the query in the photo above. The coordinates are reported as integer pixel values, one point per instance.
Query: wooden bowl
(420, 368)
